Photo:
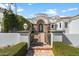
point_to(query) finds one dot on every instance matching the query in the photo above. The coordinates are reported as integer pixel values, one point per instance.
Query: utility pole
(15, 9)
(9, 6)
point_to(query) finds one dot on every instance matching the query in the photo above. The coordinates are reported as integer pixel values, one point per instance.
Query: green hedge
(16, 50)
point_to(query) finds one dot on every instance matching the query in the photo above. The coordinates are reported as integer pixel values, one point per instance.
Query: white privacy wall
(8, 38)
(56, 37)
(74, 27)
(72, 39)
(12, 38)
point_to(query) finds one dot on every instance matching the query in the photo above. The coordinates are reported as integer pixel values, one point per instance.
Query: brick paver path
(40, 51)
(43, 51)
(40, 48)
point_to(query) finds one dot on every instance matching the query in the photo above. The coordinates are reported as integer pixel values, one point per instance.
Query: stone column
(46, 28)
(36, 28)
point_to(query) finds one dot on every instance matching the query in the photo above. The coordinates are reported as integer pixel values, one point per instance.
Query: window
(60, 25)
(52, 26)
(66, 24)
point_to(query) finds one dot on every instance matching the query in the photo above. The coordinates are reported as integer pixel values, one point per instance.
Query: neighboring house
(44, 23)
(1, 17)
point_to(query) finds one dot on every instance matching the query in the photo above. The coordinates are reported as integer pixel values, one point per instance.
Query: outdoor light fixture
(25, 26)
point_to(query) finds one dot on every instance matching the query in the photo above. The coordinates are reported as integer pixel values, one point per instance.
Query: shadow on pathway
(34, 43)
(30, 52)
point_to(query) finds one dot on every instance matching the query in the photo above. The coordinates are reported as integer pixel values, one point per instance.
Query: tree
(22, 20)
(14, 22)
(10, 21)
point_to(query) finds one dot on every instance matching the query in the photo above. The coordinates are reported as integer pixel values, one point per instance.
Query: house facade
(44, 23)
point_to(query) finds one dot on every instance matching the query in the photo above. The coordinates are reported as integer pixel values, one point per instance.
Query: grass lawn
(61, 49)
(16, 50)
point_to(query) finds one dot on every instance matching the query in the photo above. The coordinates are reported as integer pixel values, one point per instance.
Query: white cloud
(18, 13)
(72, 9)
(6, 5)
(64, 10)
(12, 7)
(29, 4)
(20, 10)
(2, 5)
(51, 12)
(32, 15)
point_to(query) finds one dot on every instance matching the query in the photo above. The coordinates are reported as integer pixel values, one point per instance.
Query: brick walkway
(39, 47)
(43, 51)
(40, 51)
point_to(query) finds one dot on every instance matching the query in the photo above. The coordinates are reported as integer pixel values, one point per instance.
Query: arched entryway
(41, 32)
(41, 26)
(42, 29)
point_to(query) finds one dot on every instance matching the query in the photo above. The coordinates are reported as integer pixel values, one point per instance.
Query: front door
(40, 27)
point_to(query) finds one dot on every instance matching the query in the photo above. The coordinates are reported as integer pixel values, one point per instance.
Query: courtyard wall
(56, 37)
(71, 39)
(14, 38)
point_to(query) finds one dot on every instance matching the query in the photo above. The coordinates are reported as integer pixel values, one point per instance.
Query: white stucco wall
(72, 39)
(56, 37)
(74, 27)
(14, 38)
(9, 38)
(62, 25)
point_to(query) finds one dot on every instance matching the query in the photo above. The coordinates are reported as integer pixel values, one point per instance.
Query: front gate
(45, 38)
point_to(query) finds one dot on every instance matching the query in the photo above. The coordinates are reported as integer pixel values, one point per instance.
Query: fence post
(51, 35)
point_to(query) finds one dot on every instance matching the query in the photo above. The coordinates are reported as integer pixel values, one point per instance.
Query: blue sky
(60, 9)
